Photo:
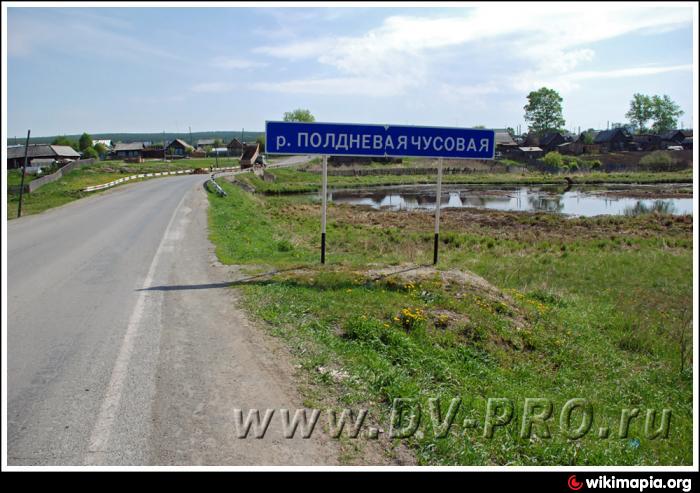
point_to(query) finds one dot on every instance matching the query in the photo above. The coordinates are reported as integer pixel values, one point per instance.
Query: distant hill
(224, 135)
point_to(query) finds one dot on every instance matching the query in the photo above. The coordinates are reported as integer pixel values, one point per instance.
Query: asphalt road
(125, 345)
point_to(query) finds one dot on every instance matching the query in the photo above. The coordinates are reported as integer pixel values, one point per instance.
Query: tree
(100, 148)
(62, 140)
(511, 132)
(553, 159)
(589, 136)
(89, 152)
(543, 110)
(299, 115)
(218, 143)
(665, 113)
(261, 140)
(85, 141)
(640, 112)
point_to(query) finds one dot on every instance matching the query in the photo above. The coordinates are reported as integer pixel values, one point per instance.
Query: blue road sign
(348, 139)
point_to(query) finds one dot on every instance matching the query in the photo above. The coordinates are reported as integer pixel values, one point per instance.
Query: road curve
(124, 343)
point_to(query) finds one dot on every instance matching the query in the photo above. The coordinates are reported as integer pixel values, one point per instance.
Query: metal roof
(129, 146)
(42, 151)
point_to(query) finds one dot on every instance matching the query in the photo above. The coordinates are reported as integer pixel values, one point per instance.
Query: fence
(113, 183)
(40, 182)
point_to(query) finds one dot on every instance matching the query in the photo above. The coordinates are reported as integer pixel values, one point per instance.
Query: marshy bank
(597, 308)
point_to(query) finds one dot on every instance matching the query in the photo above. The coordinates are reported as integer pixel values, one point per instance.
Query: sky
(167, 69)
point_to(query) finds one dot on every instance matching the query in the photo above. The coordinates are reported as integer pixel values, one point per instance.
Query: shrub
(657, 161)
(571, 162)
(553, 159)
(284, 246)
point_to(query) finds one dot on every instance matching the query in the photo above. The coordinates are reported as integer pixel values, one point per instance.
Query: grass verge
(590, 308)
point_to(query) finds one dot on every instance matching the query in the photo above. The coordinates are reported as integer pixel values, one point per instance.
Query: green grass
(70, 186)
(596, 307)
(292, 180)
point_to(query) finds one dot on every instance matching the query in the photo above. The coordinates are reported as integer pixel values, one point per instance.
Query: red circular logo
(573, 484)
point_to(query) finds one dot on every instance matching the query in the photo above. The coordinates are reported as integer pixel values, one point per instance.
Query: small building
(202, 143)
(550, 141)
(178, 148)
(675, 136)
(59, 154)
(219, 151)
(128, 150)
(647, 142)
(235, 147)
(687, 143)
(615, 139)
(504, 141)
(531, 152)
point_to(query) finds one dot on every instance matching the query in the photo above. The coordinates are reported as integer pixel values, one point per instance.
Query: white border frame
(205, 4)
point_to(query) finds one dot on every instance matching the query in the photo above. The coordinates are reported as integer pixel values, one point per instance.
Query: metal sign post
(324, 200)
(382, 141)
(437, 212)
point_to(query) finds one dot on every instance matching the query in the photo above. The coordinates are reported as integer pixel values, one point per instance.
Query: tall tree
(665, 113)
(85, 141)
(62, 140)
(543, 110)
(299, 115)
(640, 112)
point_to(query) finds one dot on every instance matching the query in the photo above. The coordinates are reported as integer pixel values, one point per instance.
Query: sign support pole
(324, 199)
(437, 212)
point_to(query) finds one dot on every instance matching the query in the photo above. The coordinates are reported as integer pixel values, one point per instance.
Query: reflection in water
(545, 199)
(659, 206)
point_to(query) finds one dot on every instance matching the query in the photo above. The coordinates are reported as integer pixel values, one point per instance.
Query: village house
(504, 141)
(551, 141)
(615, 139)
(178, 148)
(59, 154)
(647, 142)
(529, 152)
(674, 138)
(235, 147)
(203, 143)
(128, 150)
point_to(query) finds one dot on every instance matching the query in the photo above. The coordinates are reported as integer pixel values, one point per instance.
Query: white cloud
(552, 37)
(236, 63)
(359, 86)
(570, 81)
(213, 87)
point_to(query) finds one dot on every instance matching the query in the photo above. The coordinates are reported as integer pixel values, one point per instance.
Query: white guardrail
(111, 184)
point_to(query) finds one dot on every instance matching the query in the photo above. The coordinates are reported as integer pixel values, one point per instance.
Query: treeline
(223, 135)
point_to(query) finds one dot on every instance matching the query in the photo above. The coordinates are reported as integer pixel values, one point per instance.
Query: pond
(577, 201)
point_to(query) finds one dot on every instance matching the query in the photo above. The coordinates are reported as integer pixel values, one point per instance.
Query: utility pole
(190, 135)
(24, 170)
(164, 156)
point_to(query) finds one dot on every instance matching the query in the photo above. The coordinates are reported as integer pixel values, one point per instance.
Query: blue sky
(156, 69)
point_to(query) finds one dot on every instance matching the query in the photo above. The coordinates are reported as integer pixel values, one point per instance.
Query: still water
(574, 202)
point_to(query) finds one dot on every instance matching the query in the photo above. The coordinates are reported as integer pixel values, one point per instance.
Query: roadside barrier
(113, 183)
